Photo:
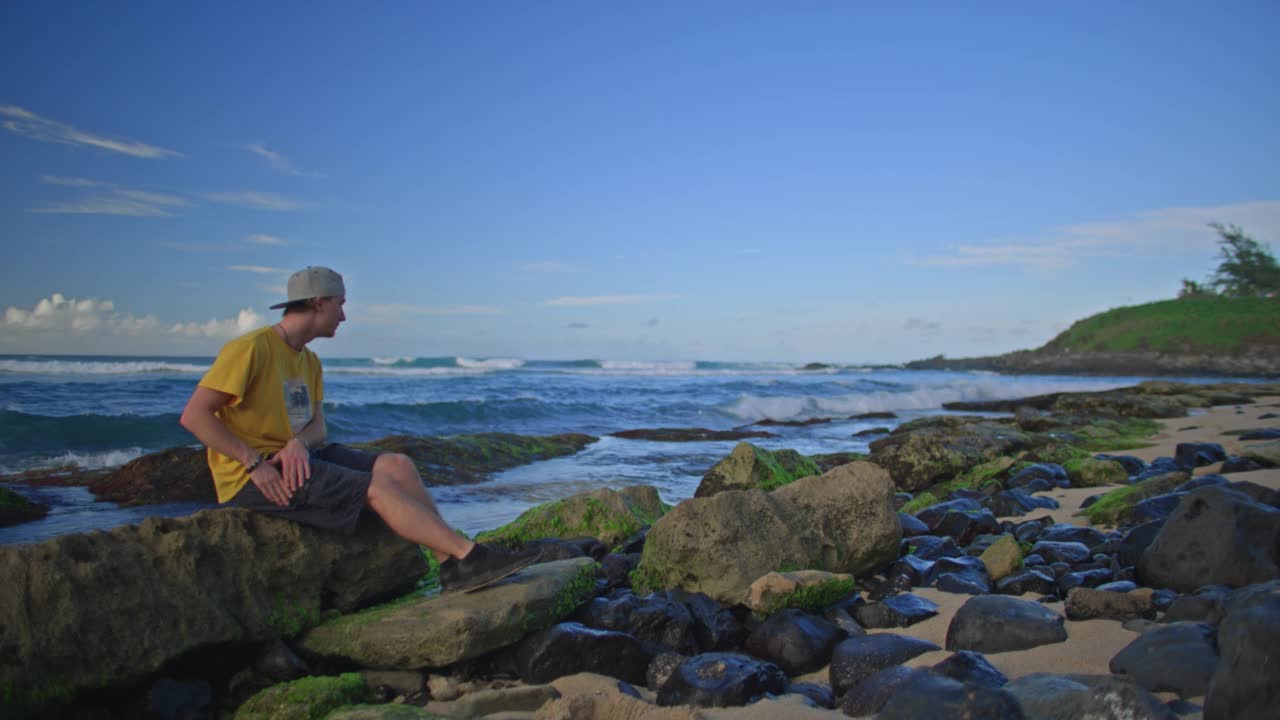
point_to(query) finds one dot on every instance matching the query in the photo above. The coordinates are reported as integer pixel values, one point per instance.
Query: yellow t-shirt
(274, 391)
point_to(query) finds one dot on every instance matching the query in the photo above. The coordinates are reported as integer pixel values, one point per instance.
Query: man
(259, 412)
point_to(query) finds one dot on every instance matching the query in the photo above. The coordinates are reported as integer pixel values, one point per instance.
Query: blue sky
(844, 182)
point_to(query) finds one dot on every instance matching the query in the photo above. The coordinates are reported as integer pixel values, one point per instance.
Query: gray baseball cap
(313, 281)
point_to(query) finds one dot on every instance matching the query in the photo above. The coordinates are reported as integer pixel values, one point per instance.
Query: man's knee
(395, 463)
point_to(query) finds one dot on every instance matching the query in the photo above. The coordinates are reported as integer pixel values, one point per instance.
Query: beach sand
(1091, 644)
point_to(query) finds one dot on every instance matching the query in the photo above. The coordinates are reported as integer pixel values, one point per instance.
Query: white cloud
(278, 162)
(33, 127)
(242, 323)
(570, 301)
(260, 269)
(1167, 230)
(60, 313)
(109, 199)
(548, 266)
(255, 200)
(261, 239)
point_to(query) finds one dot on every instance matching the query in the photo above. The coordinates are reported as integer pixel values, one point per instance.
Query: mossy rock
(16, 509)
(936, 450)
(809, 590)
(464, 459)
(1002, 557)
(1091, 472)
(310, 698)
(1117, 506)
(389, 711)
(609, 515)
(749, 467)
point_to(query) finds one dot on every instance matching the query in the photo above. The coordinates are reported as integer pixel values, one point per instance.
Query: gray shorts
(331, 500)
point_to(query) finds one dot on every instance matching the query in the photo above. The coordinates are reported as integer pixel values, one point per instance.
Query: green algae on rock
(16, 509)
(611, 516)
(308, 698)
(748, 466)
(464, 459)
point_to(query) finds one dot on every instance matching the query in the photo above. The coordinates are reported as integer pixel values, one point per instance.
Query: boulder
(1091, 472)
(1199, 454)
(1179, 657)
(931, 450)
(963, 527)
(1065, 532)
(804, 589)
(933, 514)
(1244, 684)
(749, 468)
(715, 627)
(902, 610)
(1048, 696)
(964, 575)
(1265, 454)
(928, 695)
(932, 547)
(1087, 604)
(484, 703)
(970, 668)
(1207, 604)
(658, 622)
(795, 641)
(442, 630)
(868, 696)
(721, 680)
(1215, 536)
(16, 509)
(106, 608)
(998, 623)
(1029, 580)
(609, 515)
(178, 474)
(1052, 473)
(1067, 552)
(1002, 558)
(1019, 502)
(310, 697)
(842, 521)
(569, 648)
(857, 658)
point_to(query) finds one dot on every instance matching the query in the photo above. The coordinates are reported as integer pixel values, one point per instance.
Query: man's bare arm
(199, 417)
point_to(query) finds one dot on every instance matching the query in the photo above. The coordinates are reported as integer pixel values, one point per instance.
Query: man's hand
(295, 464)
(273, 487)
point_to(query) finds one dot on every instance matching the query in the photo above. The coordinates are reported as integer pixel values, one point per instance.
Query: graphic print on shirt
(297, 399)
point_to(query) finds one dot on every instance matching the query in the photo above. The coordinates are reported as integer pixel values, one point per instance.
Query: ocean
(104, 411)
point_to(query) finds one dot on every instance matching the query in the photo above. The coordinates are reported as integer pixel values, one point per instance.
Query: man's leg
(412, 519)
(404, 473)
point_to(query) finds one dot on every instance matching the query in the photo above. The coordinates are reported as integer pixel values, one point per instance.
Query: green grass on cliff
(1208, 325)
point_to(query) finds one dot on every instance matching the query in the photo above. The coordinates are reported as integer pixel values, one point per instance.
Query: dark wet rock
(1083, 578)
(933, 514)
(722, 544)
(965, 526)
(1178, 658)
(1199, 454)
(878, 589)
(1131, 464)
(1019, 502)
(1028, 531)
(1206, 604)
(930, 450)
(1118, 586)
(1135, 543)
(1060, 568)
(660, 623)
(749, 467)
(998, 623)
(911, 526)
(1159, 507)
(1201, 481)
(1237, 464)
(1262, 434)
(932, 547)
(1162, 470)
(16, 508)
(1047, 696)
(843, 618)
(661, 668)
(1216, 536)
(716, 628)
(872, 432)
(590, 546)
(857, 658)
(878, 415)
(569, 648)
(794, 640)
(1029, 580)
(616, 569)
(903, 610)
(966, 575)
(868, 696)
(608, 515)
(1067, 552)
(466, 459)
(191, 573)
(1259, 493)
(552, 549)
(690, 434)
(1065, 532)
(1163, 598)
(971, 668)
(279, 663)
(927, 695)
(1088, 604)
(178, 474)
(634, 543)
(179, 699)
(916, 569)
(721, 680)
(1051, 473)
(1265, 453)
(967, 493)
(1244, 682)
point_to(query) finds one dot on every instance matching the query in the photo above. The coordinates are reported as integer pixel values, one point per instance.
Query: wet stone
(902, 610)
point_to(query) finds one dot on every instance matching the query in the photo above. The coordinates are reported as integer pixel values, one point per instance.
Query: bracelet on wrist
(253, 465)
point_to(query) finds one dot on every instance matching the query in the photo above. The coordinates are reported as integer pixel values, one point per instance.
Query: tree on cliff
(1247, 269)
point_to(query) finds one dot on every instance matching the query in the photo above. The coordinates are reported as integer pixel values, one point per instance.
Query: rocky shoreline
(952, 572)
(1263, 362)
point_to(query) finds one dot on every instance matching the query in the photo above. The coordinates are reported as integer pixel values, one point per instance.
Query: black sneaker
(483, 566)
